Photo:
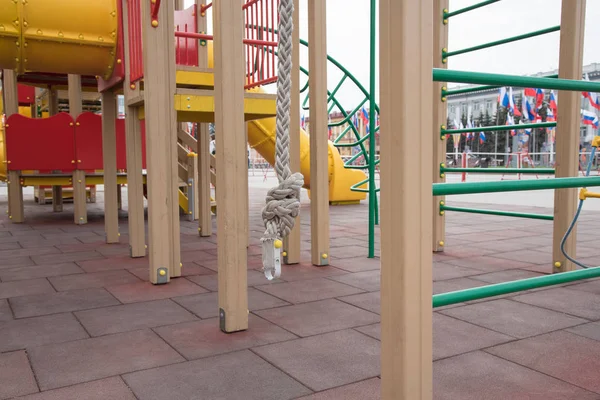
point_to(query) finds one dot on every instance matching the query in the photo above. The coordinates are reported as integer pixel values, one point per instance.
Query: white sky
(348, 38)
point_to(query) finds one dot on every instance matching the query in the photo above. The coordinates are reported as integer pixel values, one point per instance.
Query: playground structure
(161, 94)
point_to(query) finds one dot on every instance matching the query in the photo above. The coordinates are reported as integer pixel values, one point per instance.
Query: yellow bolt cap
(441, 243)
(278, 244)
(325, 255)
(558, 264)
(162, 272)
(154, 23)
(284, 254)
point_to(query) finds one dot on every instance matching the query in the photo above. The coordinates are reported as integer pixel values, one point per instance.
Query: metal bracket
(190, 195)
(162, 276)
(222, 320)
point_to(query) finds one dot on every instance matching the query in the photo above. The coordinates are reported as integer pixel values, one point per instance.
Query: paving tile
(204, 338)
(529, 256)
(512, 318)
(318, 317)
(24, 288)
(197, 255)
(574, 302)
(307, 271)
(452, 337)
(206, 305)
(371, 330)
(93, 280)
(478, 376)
(233, 376)
(40, 271)
(589, 286)
(563, 355)
(489, 264)
(53, 303)
(129, 317)
(5, 312)
(7, 254)
(16, 377)
(365, 390)
(442, 271)
(65, 364)
(591, 330)
(19, 261)
(452, 285)
(10, 246)
(367, 280)
(367, 301)
(188, 270)
(104, 389)
(211, 281)
(22, 333)
(506, 276)
(356, 264)
(114, 263)
(145, 291)
(326, 361)
(67, 257)
(309, 290)
(198, 245)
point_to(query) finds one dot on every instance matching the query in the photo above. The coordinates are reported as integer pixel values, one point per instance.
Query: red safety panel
(40, 144)
(88, 141)
(122, 145)
(186, 50)
(26, 95)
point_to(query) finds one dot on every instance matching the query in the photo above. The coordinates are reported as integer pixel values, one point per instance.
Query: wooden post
(291, 243)
(161, 142)
(79, 192)
(570, 66)
(440, 115)
(319, 176)
(204, 174)
(133, 143)
(57, 196)
(16, 208)
(109, 161)
(406, 89)
(231, 158)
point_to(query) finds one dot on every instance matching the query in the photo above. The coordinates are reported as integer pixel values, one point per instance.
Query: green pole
(477, 88)
(446, 189)
(372, 148)
(444, 132)
(445, 299)
(532, 171)
(469, 8)
(496, 212)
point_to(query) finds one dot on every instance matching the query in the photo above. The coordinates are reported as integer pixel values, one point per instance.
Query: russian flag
(530, 92)
(514, 109)
(510, 121)
(552, 103)
(303, 122)
(539, 98)
(528, 111)
(503, 97)
(550, 116)
(481, 137)
(589, 118)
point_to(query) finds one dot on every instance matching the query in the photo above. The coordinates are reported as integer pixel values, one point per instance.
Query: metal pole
(372, 147)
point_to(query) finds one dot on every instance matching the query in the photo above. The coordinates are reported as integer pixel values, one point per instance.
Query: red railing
(134, 20)
(186, 49)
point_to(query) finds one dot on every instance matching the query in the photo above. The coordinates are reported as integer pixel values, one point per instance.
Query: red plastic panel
(26, 95)
(186, 50)
(136, 62)
(261, 19)
(119, 66)
(88, 141)
(122, 145)
(43, 144)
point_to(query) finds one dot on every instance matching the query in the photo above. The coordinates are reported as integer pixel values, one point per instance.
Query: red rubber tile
(103, 389)
(92, 280)
(145, 291)
(40, 271)
(53, 303)
(16, 377)
(365, 390)
(24, 288)
(308, 290)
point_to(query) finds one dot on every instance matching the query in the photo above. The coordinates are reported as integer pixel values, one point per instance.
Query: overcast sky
(348, 38)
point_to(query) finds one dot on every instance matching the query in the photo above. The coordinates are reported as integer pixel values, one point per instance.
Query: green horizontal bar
(502, 41)
(469, 8)
(478, 88)
(532, 171)
(446, 189)
(499, 128)
(497, 212)
(482, 78)
(446, 299)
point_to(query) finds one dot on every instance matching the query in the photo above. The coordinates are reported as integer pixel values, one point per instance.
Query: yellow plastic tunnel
(63, 37)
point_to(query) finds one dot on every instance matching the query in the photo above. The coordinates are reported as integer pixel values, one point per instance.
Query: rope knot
(283, 206)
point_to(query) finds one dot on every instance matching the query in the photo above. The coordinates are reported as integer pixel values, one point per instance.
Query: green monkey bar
(446, 299)
(446, 92)
(532, 171)
(469, 8)
(444, 131)
(444, 208)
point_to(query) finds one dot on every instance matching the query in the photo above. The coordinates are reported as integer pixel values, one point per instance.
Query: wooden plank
(79, 193)
(406, 91)
(161, 142)
(319, 177)
(570, 66)
(133, 144)
(291, 244)
(229, 61)
(440, 115)
(109, 161)
(187, 139)
(16, 210)
(57, 196)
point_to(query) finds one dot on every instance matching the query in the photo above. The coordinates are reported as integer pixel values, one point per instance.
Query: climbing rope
(282, 201)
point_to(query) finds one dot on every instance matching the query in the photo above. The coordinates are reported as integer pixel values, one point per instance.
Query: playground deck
(79, 320)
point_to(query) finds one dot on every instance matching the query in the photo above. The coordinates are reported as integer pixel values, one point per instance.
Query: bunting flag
(481, 137)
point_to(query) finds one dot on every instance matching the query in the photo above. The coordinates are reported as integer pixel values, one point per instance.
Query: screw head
(441, 242)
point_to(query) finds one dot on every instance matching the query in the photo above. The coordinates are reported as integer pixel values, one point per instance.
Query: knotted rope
(283, 201)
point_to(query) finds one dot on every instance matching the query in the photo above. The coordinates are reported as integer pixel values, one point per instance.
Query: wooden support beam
(79, 192)
(204, 157)
(291, 243)
(161, 142)
(133, 143)
(228, 23)
(16, 208)
(109, 161)
(319, 177)
(570, 66)
(57, 192)
(440, 115)
(406, 91)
